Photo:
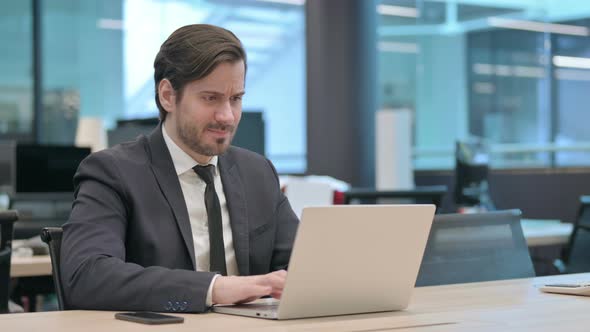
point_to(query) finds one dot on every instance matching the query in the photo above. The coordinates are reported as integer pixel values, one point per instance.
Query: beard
(191, 136)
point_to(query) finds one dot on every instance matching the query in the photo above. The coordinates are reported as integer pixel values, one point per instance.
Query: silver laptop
(349, 259)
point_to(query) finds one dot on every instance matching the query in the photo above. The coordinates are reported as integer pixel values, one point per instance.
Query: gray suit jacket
(128, 243)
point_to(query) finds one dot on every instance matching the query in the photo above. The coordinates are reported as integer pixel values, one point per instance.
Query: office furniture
(577, 253)
(34, 266)
(38, 210)
(424, 195)
(7, 218)
(475, 247)
(471, 175)
(546, 232)
(507, 305)
(52, 236)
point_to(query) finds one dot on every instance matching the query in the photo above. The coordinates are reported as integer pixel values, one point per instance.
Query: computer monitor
(47, 168)
(251, 132)
(130, 129)
(471, 174)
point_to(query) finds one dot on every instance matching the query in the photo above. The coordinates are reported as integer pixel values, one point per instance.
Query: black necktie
(217, 250)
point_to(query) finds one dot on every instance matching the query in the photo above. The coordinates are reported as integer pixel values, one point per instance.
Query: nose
(225, 113)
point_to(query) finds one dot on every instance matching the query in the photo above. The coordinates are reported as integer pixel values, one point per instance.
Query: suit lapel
(163, 168)
(236, 205)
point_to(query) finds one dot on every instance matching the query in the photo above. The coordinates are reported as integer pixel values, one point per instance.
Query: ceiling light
(286, 2)
(571, 62)
(397, 11)
(563, 29)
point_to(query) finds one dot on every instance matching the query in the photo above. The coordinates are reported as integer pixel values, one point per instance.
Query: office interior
(477, 106)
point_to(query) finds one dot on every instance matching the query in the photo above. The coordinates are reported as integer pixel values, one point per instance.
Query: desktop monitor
(128, 130)
(250, 134)
(47, 168)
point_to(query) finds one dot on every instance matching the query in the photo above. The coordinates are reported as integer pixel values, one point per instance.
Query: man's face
(207, 115)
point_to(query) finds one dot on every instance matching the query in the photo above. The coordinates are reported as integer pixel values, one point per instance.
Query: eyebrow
(241, 93)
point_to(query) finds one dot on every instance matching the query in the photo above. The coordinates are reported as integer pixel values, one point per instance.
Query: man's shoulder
(128, 153)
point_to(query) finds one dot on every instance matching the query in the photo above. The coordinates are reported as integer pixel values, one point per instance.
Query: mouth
(220, 133)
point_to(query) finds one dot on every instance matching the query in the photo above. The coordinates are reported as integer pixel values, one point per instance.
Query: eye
(210, 98)
(236, 98)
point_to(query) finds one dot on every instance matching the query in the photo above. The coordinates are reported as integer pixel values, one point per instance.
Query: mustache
(223, 127)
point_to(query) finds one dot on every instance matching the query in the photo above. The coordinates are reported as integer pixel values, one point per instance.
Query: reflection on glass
(273, 35)
(16, 81)
(515, 73)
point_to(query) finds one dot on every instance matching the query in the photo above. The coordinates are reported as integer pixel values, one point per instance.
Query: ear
(167, 95)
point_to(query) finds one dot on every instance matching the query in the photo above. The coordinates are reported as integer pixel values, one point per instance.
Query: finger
(255, 291)
(277, 295)
(277, 281)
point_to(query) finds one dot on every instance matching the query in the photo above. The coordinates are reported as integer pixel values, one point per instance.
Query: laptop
(349, 259)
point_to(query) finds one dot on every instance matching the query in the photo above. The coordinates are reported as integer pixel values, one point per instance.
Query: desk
(30, 266)
(509, 305)
(540, 232)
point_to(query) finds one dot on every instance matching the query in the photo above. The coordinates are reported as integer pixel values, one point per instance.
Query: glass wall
(82, 65)
(16, 68)
(97, 62)
(273, 35)
(513, 72)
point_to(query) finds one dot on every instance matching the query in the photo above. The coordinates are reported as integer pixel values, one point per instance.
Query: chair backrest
(52, 236)
(475, 247)
(7, 218)
(577, 253)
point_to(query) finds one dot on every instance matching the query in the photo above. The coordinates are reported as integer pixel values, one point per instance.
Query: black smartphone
(146, 317)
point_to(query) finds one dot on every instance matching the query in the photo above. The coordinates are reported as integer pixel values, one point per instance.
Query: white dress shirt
(193, 190)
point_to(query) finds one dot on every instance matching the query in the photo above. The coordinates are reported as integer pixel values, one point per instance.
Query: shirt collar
(181, 160)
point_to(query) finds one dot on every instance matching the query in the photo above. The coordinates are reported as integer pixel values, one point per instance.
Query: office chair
(576, 255)
(471, 175)
(7, 218)
(475, 247)
(52, 236)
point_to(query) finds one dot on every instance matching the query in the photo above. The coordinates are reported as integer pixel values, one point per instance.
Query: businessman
(179, 220)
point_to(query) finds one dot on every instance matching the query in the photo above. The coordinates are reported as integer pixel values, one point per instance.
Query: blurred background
(473, 105)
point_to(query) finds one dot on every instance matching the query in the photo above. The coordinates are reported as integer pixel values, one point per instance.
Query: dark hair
(193, 52)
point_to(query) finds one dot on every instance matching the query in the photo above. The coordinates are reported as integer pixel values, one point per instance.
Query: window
(515, 73)
(273, 35)
(97, 61)
(16, 66)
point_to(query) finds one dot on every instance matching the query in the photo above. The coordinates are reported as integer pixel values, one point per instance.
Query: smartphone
(146, 317)
(576, 288)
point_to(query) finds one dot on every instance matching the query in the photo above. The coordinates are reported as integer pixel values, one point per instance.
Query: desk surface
(30, 266)
(509, 305)
(540, 232)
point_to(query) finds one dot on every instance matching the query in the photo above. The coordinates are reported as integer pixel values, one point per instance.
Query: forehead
(226, 77)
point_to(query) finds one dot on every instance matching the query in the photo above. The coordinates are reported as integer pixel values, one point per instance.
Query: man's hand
(230, 290)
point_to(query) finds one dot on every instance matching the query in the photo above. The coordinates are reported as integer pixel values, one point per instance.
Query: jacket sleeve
(287, 223)
(93, 269)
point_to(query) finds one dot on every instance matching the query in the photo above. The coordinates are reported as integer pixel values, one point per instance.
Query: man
(152, 226)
